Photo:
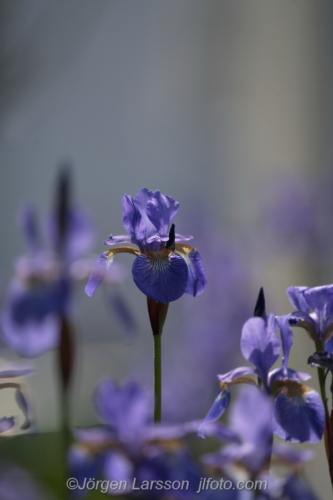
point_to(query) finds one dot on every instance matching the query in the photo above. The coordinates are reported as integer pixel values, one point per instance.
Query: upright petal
(286, 338)
(161, 210)
(132, 216)
(320, 299)
(161, 276)
(144, 228)
(296, 297)
(260, 345)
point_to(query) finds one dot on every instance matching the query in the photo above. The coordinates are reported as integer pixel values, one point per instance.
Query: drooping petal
(260, 345)
(161, 276)
(83, 464)
(219, 406)
(197, 280)
(299, 411)
(296, 297)
(161, 210)
(31, 338)
(98, 273)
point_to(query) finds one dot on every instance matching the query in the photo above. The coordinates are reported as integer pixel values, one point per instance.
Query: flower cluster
(299, 413)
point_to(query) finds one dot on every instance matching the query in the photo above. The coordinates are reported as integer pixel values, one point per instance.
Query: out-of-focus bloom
(251, 445)
(314, 312)
(251, 421)
(299, 413)
(163, 269)
(130, 446)
(38, 296)
(17, 484)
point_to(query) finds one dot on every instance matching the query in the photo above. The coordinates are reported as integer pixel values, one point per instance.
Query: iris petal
(300, 412)
(260, 345)
(161, 211)
(217, 409)
(197, 280)
(98, 273)
(296, 297)
(161, 277)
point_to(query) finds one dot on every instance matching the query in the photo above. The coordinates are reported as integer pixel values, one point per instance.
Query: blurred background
(224, 105)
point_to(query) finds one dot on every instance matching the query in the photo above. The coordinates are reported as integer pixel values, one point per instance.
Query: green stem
(157, 377)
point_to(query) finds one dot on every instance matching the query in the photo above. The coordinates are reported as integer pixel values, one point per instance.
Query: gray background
(206, 100)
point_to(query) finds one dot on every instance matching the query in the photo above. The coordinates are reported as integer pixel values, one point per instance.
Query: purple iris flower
(130, 446)
(299, 413)
(163, 269)
(39, 294)
(314, 312)
(250, 444)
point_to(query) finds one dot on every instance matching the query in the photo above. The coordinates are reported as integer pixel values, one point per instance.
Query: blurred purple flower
(251, 421)
(299, 413)
(251, 442)
(130, 446)
(38, 295)
(17, 484)
(163, 269)
(319, 322)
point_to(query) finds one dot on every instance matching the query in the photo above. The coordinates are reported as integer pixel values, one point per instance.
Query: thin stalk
(327, 433)
(157, 377)
(65, 363)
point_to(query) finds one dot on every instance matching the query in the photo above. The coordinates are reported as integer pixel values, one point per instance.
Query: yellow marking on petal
(239, 380)
(183, 248)
(162, 254)
(111, 253)
(290, 388)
